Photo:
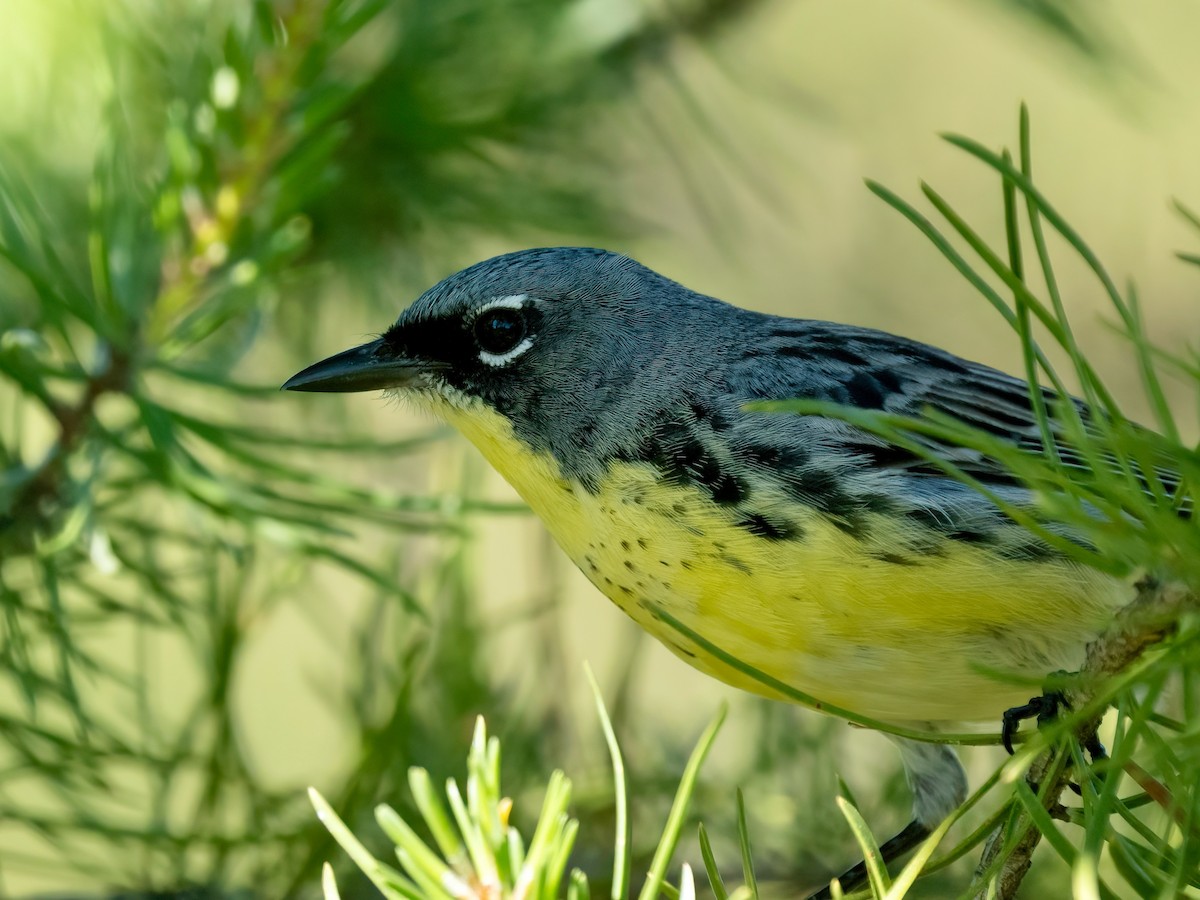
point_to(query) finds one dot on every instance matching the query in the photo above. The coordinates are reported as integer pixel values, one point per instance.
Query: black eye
(499, 330)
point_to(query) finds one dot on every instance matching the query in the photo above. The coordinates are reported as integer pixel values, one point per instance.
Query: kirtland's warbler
(615, 401)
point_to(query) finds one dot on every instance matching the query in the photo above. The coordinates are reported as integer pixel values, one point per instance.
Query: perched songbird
(615, 401)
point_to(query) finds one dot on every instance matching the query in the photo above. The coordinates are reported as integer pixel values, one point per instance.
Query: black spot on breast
(630, 566)
(895, 559)
(625, 545)
(773, 529)
(734, 563)
(641, 542)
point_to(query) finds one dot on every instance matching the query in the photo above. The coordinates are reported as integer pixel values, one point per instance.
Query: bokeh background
(214, 595)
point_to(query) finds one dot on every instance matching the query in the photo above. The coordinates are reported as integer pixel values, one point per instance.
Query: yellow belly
(900, 643)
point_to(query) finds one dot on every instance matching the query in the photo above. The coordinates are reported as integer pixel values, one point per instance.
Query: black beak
(371, 367)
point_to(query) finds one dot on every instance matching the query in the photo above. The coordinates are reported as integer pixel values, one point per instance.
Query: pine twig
(1142, 624)
(39, 499)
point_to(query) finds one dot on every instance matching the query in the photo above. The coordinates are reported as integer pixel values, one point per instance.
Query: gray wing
(874, 370)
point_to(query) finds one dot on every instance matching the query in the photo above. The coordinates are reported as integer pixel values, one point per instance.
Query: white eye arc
(512, 301)
(515, 302)
(503, 359)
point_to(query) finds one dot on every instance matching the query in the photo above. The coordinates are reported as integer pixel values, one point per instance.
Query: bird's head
(546, 338)
(494, 332)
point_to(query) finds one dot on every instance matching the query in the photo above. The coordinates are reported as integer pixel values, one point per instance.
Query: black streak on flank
(776, 459)
(774, 530)
(684, 460)
(850, 523)
(708, 416)
(1029, 551)
(969, 536)
(726, 489)
(930, 519)
(948, 528)
(877, 503)
(732, 561)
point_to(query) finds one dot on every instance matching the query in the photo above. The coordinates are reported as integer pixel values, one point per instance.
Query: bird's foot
(1043, 708)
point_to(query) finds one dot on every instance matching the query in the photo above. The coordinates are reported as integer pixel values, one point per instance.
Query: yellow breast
(898, 642)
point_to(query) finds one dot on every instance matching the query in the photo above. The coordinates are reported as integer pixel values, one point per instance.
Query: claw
(1043, 708)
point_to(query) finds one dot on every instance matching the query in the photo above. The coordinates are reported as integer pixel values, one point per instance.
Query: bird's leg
(938, 786)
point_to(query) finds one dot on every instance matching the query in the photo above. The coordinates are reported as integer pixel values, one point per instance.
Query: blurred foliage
(1076, 23)
(157, 510)
(148, 499)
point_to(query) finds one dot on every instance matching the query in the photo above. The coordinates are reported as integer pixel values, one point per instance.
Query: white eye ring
(513, 301)
(503, 359)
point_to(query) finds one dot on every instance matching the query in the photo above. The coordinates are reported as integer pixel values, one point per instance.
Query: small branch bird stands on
(824, 557)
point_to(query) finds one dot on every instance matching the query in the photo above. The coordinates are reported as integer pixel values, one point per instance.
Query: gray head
(570, 344)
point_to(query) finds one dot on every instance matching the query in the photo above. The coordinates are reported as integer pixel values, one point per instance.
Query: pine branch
(1140, 626)
(39, 499)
